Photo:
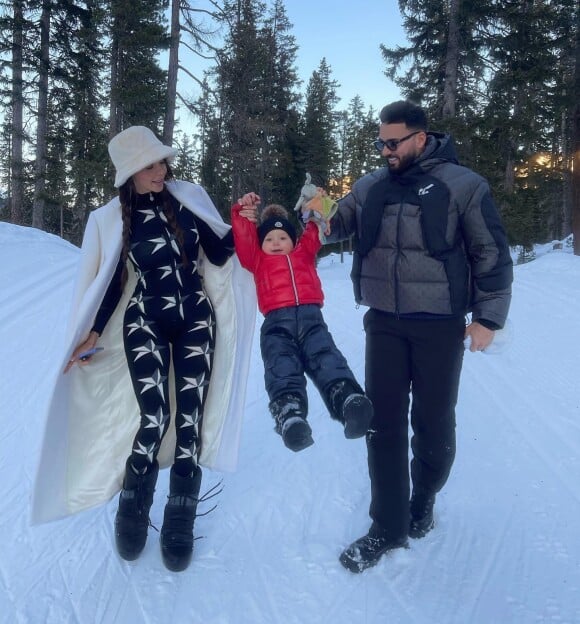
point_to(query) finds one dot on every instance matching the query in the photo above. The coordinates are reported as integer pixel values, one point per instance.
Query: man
(431, 247)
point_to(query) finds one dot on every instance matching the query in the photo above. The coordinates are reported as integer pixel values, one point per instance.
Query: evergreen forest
(502, 76)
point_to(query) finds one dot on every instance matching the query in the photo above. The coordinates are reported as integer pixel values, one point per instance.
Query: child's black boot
(132, 519)
(289, 414)
(349, 405)
(180, 510)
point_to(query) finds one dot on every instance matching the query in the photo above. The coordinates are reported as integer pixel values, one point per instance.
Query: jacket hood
(439, 148)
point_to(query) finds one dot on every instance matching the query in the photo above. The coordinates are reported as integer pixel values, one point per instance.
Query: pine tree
(78, 99)
(319, 125)
(138, 84)
(278, 80)
(362, 156)
(254, 83)
(16, 29)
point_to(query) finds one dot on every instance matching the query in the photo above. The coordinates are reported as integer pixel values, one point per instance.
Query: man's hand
(481, 337)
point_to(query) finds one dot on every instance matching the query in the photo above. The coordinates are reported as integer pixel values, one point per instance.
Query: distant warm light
(542, 160)
(536, 163)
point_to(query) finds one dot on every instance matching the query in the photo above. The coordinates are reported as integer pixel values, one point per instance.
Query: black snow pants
(296, 341)
(422, 358)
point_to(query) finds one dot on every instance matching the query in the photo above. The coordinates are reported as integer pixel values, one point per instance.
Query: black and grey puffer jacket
(430, 240)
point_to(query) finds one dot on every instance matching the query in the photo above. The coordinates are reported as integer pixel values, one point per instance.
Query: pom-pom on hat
(274, 217)
(134, 149)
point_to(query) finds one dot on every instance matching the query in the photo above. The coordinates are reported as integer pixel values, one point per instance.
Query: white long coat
(92, 414)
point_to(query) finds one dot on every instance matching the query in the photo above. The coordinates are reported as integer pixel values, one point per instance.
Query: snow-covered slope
(505, 548)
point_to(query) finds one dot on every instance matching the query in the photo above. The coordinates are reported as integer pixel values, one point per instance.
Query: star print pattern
(197, 383)
(186, 453)
(204, 350)
(158, 243)
(207, 324)
(149, 348)
(138, 300)
(148, 214)
(149, 450)
(169, 322)
(202, 296)
(190, 420)
(154, 381)
(157, 421)
(167, 270)
(140, 324)
(176, 302)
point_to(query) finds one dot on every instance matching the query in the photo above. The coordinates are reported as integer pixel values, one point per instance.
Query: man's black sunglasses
(392, 144)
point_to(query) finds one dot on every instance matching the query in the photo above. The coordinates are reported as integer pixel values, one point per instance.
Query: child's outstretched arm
(244, 220)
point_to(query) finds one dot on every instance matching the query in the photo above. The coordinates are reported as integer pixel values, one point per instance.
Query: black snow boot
(289, 413)
(421, 521)
(349, 405)
(366, 551)
(132, 519)
(180, 510)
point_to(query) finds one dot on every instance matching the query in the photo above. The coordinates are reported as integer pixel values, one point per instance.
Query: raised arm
(244, 218)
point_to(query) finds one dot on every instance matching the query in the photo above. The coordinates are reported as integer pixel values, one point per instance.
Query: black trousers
(296, 342)
(421, 358)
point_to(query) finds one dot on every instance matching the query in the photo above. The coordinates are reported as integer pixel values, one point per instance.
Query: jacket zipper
(397, 258)
(293, 280)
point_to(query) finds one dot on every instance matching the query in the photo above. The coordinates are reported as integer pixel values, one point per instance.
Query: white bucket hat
(134, 149)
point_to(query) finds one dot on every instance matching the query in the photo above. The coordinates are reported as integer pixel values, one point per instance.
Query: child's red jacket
(282, 281)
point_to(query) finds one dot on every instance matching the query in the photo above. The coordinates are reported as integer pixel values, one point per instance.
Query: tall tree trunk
(41, 126)
(576, 142)
(169, 122)
(16, 163)
(114, 117)
(566, 201)
(451, 62)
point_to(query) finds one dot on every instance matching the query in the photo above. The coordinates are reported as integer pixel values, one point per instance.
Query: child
(294, 338)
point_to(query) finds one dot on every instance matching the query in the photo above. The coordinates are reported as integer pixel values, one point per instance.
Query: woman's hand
(250, 203)
(88, 344)
(249, 199)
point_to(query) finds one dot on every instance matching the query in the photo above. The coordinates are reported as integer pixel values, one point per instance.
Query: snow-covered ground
(506, 546)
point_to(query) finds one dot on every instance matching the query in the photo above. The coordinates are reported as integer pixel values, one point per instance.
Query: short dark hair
(404, 111)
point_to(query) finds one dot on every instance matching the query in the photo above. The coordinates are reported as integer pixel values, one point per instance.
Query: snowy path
(505, 548)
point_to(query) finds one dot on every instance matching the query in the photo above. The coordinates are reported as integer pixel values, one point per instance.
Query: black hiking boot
(132, 519)
(180, 511)
(421, 520)
(366, 551)
(290, 417)
(351, 407)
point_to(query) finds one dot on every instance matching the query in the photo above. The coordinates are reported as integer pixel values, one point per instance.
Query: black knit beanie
(276, 223)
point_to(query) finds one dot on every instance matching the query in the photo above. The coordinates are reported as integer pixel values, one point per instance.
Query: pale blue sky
(348, 35)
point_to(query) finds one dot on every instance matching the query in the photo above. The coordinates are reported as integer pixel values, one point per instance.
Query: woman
(158, 293)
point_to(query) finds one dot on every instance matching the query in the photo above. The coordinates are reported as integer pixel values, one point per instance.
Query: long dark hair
(128, 197)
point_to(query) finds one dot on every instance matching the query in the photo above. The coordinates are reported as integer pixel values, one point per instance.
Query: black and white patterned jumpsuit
(169, 315)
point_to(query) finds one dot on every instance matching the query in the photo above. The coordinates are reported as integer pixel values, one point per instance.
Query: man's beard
(402, 163)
